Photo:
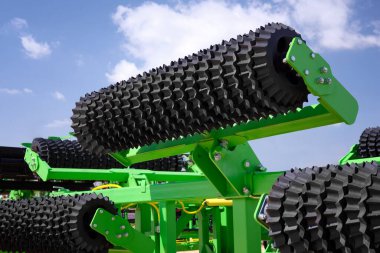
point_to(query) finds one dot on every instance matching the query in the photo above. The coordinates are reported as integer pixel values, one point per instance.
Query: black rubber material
(326, 209)
(69, 154)
(369, 143)
(235, 81)
(12, 164)
(55, 224)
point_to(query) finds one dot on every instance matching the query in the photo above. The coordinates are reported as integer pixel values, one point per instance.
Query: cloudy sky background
(53, 52)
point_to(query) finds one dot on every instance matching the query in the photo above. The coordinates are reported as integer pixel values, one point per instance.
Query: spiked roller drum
(238, 80)
(369, 142)
(326, 209)
(56, 224)
(70, 154)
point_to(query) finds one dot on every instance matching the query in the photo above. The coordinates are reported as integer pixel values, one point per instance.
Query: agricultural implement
(162, 162)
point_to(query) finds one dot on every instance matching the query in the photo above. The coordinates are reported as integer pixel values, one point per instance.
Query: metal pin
(293, 58)
(217, 156)
(321, 80)
(307, 72)
(324, 70)
(312, 55)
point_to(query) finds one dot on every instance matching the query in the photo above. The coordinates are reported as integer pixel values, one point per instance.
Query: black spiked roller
(326, 209)
(70, 154)
(53, 224)
(238, 80)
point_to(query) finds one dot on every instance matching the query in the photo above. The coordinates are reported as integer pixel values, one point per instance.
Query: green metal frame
(224, 165)
(353, 157)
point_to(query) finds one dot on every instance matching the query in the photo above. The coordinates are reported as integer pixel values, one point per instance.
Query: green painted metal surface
(119, 232)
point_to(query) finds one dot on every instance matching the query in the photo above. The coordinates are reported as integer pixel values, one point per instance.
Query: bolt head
(107, 232)
(299, 41)
(224, 143)
(245, 190)
(122, 227)
(324, 70)
(126, 235)
(321, 80)
(307, 72)
(217, 156)
(113, 218)
(312, 55)
(293, 58)
(101, 211)
(247, 164)
(95, 225)
(118, 236)
(328, 80)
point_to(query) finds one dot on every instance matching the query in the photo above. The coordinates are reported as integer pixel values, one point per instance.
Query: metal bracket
(119, 232)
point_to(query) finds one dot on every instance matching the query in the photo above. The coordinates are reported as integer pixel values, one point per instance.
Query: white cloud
(11, 91)
(158, 33)
(122, 71)
(59, 123)
(34, 49)
(59, 96)
(19, 23)
(26, 90)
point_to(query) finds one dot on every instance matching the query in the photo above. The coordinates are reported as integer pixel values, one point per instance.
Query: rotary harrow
(162, 162)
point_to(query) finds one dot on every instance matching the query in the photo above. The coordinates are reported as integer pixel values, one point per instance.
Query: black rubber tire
(235, 81)
(369, 143)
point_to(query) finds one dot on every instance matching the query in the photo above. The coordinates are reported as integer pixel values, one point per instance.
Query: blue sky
(53, 52)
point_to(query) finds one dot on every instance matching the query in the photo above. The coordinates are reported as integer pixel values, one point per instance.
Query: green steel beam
(195, 191)
(45, 172)
(120, 233)
(168, 227)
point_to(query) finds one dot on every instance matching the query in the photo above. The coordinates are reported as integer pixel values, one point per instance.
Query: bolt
(113, 218)
(262, 216)
(224, 143)
(126, 235)
(312, 55)
(299, 41)
(284, 61)
(293, 58)
(101, 211)
(122, 227)
(217, 156)
(246, 190)
(324, 70)
(118, 236)
(247, 164)
(328, 80)
(107, 232)
(95, 225)
(321, 80)
(307, 72)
